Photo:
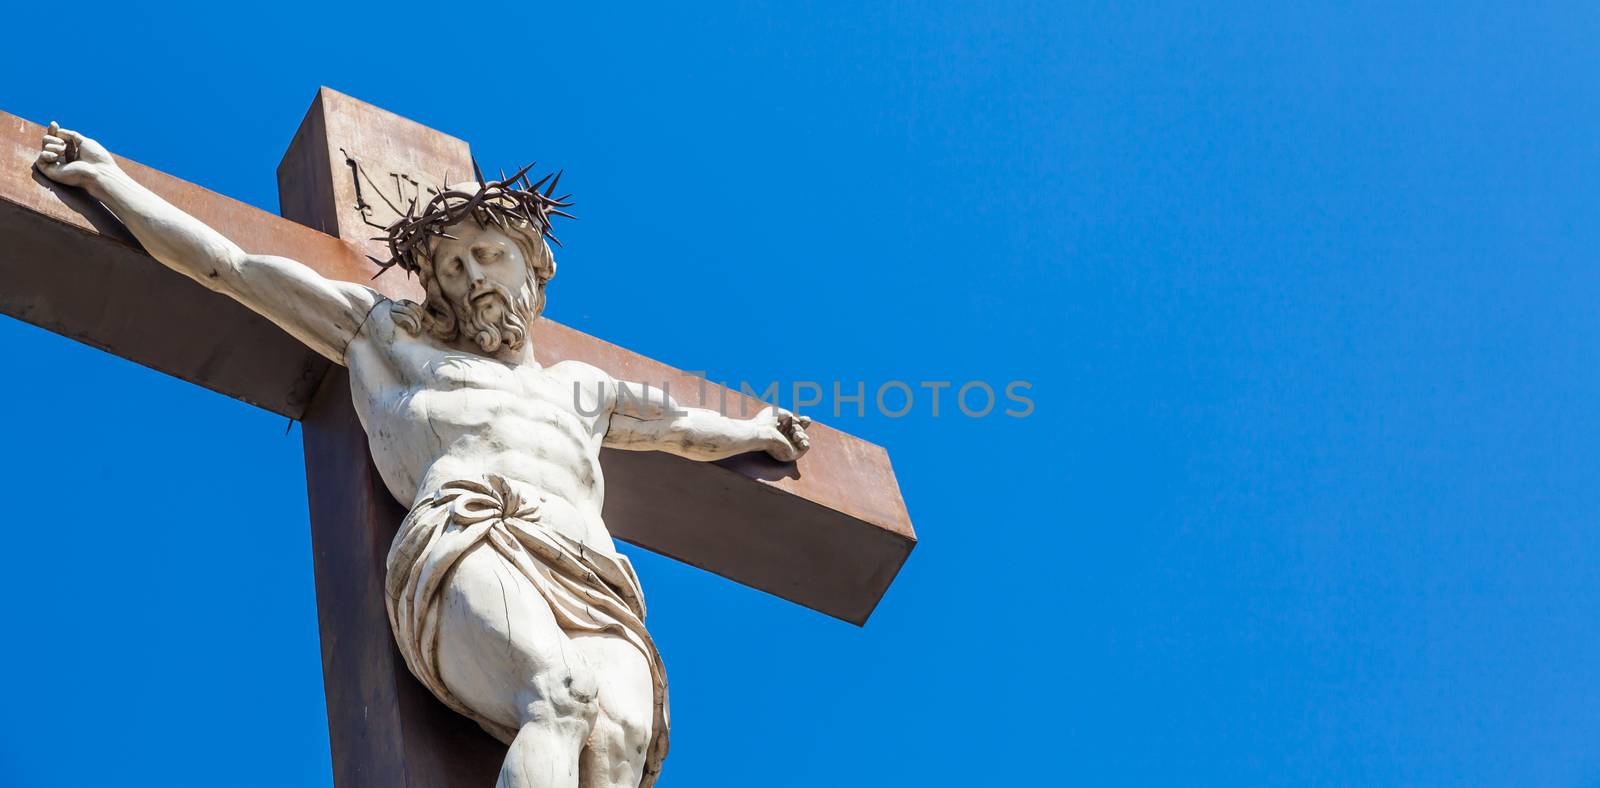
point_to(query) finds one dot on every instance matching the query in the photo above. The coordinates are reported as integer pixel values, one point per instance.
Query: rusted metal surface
(348, 166)
(829, 532)
(384, 728)
(67, 265)
(251, 228)
(841, 472)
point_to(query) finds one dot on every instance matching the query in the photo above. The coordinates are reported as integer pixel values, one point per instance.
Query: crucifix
(455, 442)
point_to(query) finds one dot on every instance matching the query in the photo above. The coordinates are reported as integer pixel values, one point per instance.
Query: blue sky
(1306, 294)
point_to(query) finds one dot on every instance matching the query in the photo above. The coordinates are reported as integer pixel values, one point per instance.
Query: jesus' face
(483, 274)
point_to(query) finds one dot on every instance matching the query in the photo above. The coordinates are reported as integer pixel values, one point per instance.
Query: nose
(472, 270)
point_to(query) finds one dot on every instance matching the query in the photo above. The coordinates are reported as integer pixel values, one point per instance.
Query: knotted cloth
(589, 592)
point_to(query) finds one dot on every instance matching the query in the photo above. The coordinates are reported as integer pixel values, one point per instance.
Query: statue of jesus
(506, 594)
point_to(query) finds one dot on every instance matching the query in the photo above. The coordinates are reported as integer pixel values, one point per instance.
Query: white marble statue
(506, 593)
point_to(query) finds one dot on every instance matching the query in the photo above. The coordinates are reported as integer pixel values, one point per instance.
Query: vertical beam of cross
(384, 728)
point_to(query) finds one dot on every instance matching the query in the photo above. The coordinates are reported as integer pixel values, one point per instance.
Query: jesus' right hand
(71, 158)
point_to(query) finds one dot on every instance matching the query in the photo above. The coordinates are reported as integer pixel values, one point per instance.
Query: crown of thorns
(495, 202)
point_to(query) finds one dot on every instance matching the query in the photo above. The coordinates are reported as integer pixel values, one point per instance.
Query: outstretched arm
(320, 312)
(645, 418)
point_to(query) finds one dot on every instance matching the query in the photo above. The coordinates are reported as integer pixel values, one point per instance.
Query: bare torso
(434, 415)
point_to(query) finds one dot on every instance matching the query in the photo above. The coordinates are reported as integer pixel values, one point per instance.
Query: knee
(564, 697)
(618, 749)
(635, 734)
(630, 728)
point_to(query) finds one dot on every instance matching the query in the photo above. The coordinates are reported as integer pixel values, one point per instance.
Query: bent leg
(614, 755)
(502, 654)
(542, 756)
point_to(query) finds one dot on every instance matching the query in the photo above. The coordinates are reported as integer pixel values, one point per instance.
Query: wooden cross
(829, 533)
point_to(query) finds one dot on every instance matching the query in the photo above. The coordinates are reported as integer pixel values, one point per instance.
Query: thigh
(498, 639)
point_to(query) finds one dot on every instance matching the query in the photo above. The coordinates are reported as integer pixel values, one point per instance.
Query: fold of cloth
(589, 592)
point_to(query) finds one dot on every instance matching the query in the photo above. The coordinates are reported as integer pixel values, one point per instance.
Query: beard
(497, 318)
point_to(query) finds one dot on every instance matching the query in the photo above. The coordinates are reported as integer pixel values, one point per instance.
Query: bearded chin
(502, 321)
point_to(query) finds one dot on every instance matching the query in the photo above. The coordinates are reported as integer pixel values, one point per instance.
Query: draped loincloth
(589, 592)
